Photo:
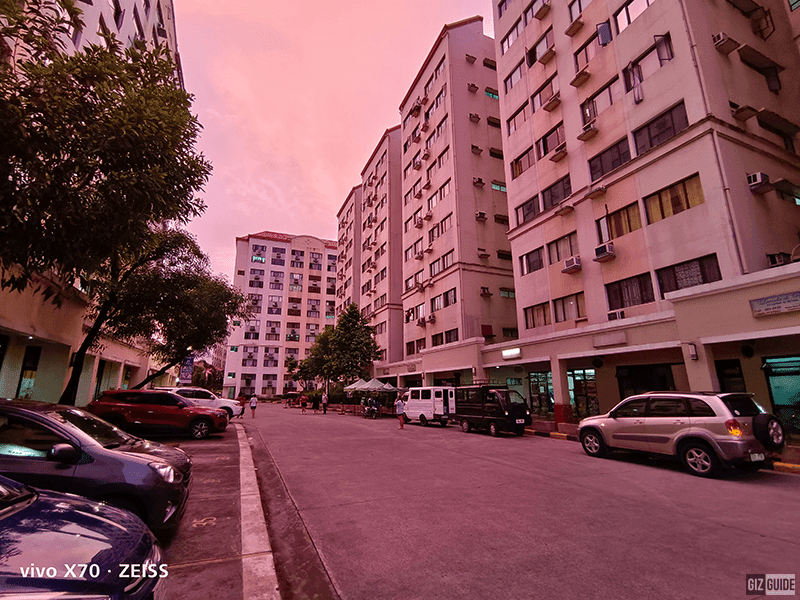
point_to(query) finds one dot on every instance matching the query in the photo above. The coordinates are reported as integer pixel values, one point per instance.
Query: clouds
(293, 98)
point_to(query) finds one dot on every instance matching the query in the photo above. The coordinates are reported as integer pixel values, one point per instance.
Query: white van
(425, 404)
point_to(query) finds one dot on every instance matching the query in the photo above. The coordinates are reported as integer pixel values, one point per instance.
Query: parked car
(63, 546)
(203, 397)
(157, 412)
(427, 404)
(493, 408)
(703, 430)
(67, 449)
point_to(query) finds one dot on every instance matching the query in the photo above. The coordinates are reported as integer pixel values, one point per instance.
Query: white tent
(358, 385)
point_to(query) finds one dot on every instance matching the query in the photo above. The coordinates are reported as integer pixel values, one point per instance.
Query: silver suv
(702, 429)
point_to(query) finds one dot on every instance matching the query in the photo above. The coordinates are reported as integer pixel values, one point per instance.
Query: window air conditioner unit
(161, 31)
(559, 153)
(758, 182)
(418, 223)
(572, 265)
(426, 185)
(272, 330)
(779, 258)
(474, 117)
(416, 137)
(476, 149)
(249, 355)
(421, 322)
(426, 125)
(604, 252)
(431, 318)
(418, 194)
(480, 215)
(417, 164)
(293, 332)
(615, 315)
(419, 255)
(273, 304)
(477, 181)
(485, 292)
(426, 154)
(552, 102)
(277, 280)
(723, 43)
(429, 248)
(252, 328)
(428, 216)
(257, 277)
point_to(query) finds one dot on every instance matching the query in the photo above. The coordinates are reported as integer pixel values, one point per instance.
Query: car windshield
(742, 406)
(509, 397)
(104, 433)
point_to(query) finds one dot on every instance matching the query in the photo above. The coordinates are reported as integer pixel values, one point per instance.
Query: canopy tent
(390, 388)
(358, 385)
(374, 386)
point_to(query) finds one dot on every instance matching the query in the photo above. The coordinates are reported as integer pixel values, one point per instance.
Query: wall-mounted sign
(512, 353)
(775, 305)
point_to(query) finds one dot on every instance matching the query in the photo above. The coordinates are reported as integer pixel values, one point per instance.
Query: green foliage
(96, 147)
(353, 345)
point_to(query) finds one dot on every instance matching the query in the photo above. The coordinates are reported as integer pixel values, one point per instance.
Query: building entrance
(783, 376)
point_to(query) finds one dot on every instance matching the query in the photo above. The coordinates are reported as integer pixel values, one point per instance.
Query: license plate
(520, 421)
(756, 457)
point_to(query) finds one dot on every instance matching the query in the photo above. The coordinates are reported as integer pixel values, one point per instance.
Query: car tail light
(734, 427)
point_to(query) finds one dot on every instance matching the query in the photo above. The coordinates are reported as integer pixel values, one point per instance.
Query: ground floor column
(562, 407)
(700, 367)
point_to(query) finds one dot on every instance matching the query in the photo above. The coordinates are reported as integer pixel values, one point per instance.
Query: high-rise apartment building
(654, 198)
(458, 290)
(381, 219)
(290, 283)
(348, 259)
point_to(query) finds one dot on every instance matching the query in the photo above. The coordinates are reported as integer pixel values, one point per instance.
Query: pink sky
(293, 99)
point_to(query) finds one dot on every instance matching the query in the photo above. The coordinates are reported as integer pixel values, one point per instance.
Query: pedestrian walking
(315, 404)
(242, 400)
(303, 404)
(325, 403)
(400, 409)
(253, 405)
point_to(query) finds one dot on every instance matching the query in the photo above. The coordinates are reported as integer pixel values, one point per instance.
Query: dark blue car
(56, 545)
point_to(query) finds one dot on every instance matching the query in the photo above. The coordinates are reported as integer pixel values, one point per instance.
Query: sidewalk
(221, 548)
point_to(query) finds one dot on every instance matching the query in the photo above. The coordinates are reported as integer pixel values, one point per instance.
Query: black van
(491, 407)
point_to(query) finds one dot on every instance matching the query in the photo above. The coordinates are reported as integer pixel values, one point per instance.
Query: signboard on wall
(775, 305)
(187, 368)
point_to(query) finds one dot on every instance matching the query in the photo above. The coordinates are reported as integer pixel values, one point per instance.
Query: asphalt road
(434, 513)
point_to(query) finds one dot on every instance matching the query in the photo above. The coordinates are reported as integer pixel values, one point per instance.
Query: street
(437, 513)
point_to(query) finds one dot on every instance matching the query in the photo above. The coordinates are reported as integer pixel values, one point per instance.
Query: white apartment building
(348, 282)
(290, 282)
(654, 198)
(37, 339)
(457, 287)
(381, 219)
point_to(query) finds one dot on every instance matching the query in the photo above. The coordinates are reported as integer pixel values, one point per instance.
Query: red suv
(157, 411)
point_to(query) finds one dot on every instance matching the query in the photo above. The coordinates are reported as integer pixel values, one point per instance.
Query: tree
(96, 147)
(163, 298)
(320, 362)
(354, 346)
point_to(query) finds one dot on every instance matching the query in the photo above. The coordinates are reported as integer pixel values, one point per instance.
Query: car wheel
(229, 411)
(465, 426)
(443, 422)
(700, 459)
(200, 429)
(769, 431)
(593, 443)
(493, 429)
(423, 420)
(520, 430)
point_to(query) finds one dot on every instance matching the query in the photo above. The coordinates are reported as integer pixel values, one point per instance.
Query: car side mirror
(63, 453)
(613, 414)
(181, 405)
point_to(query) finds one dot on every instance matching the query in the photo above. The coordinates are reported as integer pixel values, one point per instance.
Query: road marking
(204, 521)
(258, 565)
(211, 561)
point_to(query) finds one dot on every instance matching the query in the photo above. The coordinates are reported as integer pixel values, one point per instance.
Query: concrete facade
(348, 282)
(290, 282)
(650, 152)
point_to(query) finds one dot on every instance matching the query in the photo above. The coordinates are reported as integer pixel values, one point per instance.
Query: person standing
(315, 403)
(253, 405)
(400, 409)
(303, 404)
(324, 403)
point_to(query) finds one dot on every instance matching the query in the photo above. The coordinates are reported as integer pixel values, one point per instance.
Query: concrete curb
(776, 465)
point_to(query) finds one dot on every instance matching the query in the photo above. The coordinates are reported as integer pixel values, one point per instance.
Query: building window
(492, 93)
(502, 7)
(449, 297)
(507, 293)
(576, 7)
(437, 303)
(794, 4)
(539, 48)
(550, 141)
(609, 159)
(420, 345)
(447, 259)
(511, 80)
(630, 292)
(528, 210)
(511, 37)
(537, 316)
(451, 336)
(518, 118)
(587, 52)
(532, 261)
(675, 199)
(688, 274)
(437, 339)
(569, 308)
(649, 63)
(522, 163)
(629, 12)
(557, 192)
(603, 99)
(664, 127)
(563, 248)
(544, 93)
(499, 186)
(619, 223)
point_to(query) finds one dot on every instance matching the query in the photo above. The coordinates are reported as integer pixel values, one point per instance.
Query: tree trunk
(158, 373)
(70, 393)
